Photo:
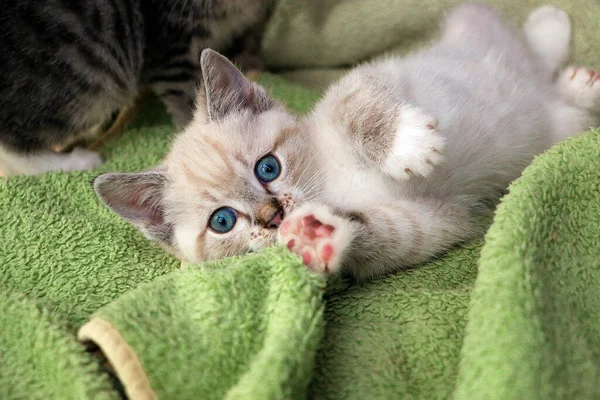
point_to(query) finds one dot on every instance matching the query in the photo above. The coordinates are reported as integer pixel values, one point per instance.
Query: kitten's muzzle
(270, 215)
(276, 220)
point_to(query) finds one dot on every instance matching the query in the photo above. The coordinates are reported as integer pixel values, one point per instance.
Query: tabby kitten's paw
(581, 86)
(417, 147)
(314, 233)
(80, 160)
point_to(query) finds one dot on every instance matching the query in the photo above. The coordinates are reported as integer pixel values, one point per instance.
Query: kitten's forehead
(216, 160)
(202, 165)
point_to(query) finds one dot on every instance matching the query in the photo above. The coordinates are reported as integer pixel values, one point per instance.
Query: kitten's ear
(138, 198)
(224, 89)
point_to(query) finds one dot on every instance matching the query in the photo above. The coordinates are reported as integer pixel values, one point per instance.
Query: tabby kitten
(66, 66)
(402, 159)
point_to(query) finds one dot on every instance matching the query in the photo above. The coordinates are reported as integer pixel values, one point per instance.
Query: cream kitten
(402, 159)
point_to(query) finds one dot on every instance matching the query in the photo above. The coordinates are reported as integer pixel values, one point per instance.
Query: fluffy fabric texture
(532, 309)
(40, 358)
(243, 328)
(533, 329)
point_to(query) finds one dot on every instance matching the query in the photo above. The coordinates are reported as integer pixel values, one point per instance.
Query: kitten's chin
(263, 242)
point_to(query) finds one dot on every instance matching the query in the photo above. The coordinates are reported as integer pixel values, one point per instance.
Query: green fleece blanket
(523, 325)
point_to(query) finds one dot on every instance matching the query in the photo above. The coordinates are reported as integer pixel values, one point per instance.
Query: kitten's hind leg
(79, 159)
(580, 87)
(473, 24)
(548, 32)
(579, 108)
(380, 239)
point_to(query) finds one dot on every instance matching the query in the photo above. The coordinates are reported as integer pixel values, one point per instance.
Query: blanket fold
(244, 328)
(534, 330)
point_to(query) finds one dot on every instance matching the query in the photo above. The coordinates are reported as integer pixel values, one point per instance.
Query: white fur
(417, 145)
(581, 87)
(494, 112)
(548, 31)
(78, 160)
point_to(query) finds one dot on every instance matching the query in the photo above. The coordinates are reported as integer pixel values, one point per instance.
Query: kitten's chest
(350, 184)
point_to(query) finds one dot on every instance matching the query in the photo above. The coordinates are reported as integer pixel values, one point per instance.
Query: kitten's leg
(179, 99)
(548, 32)
(580, 86)
(174, 81)
(580, 108)
(378, 240)
(469, 25)
(79, 159)
(568, 120)
(387, 132)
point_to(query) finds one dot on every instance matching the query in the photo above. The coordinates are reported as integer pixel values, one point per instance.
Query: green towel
(245, 328)
(532, 327)
(534, 321)
(39, 358)
(312, 41)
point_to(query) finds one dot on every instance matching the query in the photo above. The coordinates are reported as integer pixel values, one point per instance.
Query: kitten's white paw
(417, 146)
(314, 233)
(548, 31)
(81, 160)
(581, 86)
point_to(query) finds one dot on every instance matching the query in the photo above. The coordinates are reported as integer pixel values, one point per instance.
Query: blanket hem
(121, 357)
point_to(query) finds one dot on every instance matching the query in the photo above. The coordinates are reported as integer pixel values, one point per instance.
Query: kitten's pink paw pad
(582, 76)
(581, 86)
(417, 146)
(311, 239)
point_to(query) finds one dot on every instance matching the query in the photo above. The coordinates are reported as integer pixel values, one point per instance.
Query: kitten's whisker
(320, 174)
(310, 188)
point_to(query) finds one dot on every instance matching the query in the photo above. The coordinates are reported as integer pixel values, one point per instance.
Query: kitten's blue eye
(267, 169)
(223, 220)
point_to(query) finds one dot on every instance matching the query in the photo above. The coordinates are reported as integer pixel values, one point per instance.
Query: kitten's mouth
(276, 219)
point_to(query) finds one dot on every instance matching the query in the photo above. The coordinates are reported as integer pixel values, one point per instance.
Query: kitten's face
(233, 181)
(231, 177)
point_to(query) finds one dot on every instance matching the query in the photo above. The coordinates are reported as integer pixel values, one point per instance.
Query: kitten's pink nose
(275, 220)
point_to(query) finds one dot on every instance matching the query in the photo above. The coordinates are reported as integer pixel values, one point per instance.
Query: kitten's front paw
(581, 86)
(80, 160)
(318, 236)
(417, 146)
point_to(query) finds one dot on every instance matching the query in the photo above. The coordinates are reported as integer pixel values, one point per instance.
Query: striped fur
(67, 66)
